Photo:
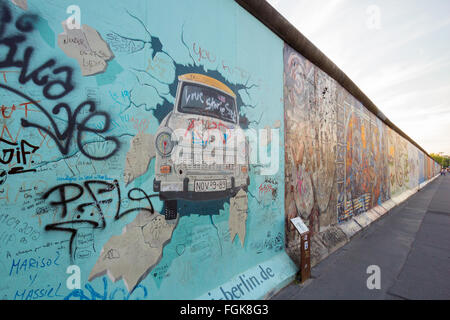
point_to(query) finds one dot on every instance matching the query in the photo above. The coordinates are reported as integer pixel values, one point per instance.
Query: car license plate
(210, 185)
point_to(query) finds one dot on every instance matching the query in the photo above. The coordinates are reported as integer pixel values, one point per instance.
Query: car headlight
(164, 143)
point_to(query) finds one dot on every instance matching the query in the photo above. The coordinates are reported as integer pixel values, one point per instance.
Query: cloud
(404, 67)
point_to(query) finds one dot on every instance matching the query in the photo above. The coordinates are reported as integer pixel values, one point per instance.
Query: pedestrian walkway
(410, 244)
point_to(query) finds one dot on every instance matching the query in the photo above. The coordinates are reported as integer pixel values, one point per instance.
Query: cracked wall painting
(82, 112)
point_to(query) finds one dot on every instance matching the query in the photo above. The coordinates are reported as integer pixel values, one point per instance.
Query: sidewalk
(410, 244)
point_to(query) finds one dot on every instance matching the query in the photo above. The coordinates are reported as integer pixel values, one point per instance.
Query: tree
(444, 161)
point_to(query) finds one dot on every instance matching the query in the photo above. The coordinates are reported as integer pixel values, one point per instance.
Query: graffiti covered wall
(341, 160)
(86, 181)
(122, 162)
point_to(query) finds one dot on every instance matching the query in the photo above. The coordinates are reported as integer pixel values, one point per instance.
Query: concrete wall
(342, 162)
(85, 195)
(82, 108)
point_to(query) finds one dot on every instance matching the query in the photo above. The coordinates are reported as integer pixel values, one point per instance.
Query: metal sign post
(305, 257)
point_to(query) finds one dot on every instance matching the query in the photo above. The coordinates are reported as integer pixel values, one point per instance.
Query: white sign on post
(300, 225)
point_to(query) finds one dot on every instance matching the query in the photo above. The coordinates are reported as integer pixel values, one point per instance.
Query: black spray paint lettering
(17, 153)
(24, 24)
(95, 189)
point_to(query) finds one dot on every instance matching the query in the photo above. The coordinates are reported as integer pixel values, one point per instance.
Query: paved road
(410, 244)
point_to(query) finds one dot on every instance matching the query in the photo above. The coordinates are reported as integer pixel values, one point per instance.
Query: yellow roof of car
(197, 77)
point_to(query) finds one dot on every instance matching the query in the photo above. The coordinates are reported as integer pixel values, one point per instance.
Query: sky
(396, 51)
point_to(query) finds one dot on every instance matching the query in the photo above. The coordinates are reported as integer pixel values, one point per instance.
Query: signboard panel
(300, 225)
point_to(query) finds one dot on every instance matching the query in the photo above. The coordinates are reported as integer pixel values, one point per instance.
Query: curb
(358, 223)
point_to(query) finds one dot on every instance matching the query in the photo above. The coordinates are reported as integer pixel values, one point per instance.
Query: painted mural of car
(205, 113)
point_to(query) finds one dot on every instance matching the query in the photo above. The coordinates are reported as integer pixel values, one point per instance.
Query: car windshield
(198, 99)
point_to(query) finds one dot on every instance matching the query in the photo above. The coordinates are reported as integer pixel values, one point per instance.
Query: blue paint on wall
(47, 34)
(152, 44)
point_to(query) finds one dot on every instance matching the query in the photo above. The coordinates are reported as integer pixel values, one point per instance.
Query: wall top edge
(272, 19)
